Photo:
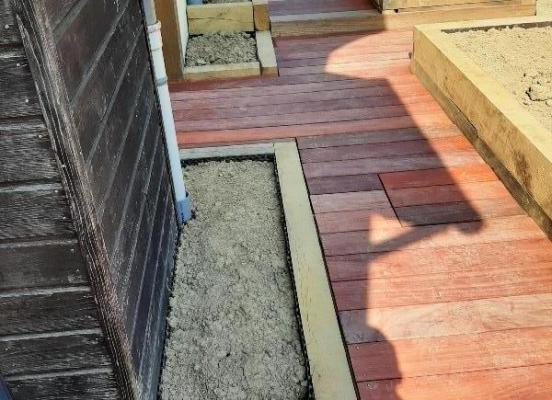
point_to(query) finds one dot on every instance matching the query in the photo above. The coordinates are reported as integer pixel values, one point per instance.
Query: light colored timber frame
(265, 66)
(374, 20)
(512, 141)
(329, 367)
(244, 16)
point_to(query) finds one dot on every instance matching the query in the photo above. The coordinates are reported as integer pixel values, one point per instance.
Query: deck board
(443, 284)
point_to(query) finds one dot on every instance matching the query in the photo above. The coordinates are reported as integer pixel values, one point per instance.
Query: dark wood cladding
(48, 316)
(98, 386)
(98, 92)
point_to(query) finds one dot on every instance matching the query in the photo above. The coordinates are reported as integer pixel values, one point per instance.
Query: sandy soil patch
(221, 48)
(520, 59)
(233, 332)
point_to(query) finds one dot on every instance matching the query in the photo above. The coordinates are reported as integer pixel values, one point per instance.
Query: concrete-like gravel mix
(233, 331)
(520, 59)
(221, 48)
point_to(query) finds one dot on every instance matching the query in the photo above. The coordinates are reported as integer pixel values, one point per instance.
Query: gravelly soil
(519, 58)
(233, 329)
(221, 48)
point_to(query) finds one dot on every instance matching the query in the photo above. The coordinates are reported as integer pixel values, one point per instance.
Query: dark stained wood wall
(51, 342)
(104, 61)
(107, 90)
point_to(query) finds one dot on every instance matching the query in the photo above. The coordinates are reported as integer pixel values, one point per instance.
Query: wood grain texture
(464, 353)
(532, 382)
(8, 27)
(34, 211)
(93, 386)
(48, 312)
(456, 257)
(31, 148)
(432, 236)
(223, 17)
(446, 319)
(343, 184)
(16, 79)
(41, 264)
(50, 354)
(441, 288)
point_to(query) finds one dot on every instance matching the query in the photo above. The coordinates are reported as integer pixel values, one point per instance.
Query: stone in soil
(221, 48)
(520, 59)
(233, 332)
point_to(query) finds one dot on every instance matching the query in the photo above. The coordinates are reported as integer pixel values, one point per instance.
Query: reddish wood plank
(310, 117)
(532, 382)
(447, 193)
(383, 136)
(297, 94)
(447, 319)
(346, 221)
(452, 354)
(319, 6)
(390, 164)
(464, 211)
(342, 184)
(314, 105)
(195, 138)
(432, 236)
(336, 53)
(489, 256)
(348, 57)
(438, 176)
(371, 200)
(444, 287)
(378, 150)
(377, 69)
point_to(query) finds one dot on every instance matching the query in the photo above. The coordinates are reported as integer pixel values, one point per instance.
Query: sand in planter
(520, 59)
(221, 48)
(233, 332)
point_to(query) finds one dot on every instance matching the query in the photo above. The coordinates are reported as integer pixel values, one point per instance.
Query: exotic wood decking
(443, 285)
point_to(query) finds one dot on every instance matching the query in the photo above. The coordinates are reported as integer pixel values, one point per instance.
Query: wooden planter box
(512, 141)
(245, 16)
(265, 66)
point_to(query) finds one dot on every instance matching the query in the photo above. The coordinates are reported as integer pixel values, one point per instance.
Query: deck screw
(6, 26)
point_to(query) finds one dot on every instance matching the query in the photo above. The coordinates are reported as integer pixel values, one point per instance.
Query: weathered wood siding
(51, 342)
(103, 84)
(104, 60)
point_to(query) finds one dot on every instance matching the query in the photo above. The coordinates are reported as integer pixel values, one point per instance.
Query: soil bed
(221, 48)
(233, 331)
(519, 58)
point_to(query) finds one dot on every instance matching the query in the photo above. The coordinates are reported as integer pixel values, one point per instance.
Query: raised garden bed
(244, 285)
(228, 16)
(230, 55)
(492, 78)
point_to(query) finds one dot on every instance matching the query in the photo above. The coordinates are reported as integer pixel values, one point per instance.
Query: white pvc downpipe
(183, 206)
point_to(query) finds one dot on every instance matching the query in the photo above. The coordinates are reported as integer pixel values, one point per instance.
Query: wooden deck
(442, 284)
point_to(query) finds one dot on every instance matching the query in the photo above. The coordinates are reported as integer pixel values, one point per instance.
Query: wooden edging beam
(223, 17)
(510, 139)
(329, 367)
(330, 372)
